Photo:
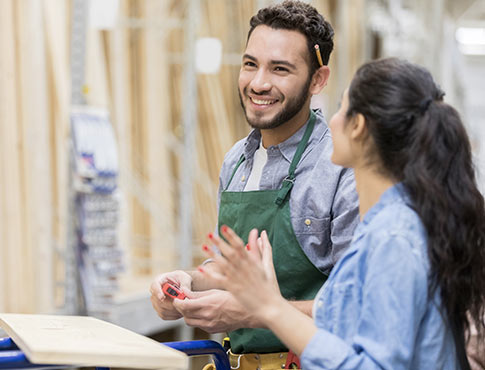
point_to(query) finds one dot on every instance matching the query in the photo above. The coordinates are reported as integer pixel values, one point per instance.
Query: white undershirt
(259, 160)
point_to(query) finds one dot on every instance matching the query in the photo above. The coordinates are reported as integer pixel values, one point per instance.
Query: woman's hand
(246, 271)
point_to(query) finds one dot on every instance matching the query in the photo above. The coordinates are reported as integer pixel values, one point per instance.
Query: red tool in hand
(173, 291)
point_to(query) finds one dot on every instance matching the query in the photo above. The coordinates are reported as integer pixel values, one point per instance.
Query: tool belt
(258, 361)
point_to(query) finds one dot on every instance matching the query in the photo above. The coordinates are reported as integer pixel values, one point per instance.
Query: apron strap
(241, 160)
(290, 179)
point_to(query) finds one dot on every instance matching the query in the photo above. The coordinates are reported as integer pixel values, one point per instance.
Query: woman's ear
(359, 128)
(319, 80)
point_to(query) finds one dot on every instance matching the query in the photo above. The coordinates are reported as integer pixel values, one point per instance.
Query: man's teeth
(262, 102)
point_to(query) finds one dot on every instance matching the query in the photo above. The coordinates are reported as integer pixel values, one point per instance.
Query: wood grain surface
(86, 341)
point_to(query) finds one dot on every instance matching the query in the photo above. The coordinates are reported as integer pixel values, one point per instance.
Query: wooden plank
(140, 225)
(118, 58)
(82, 340)
(56, 28)
(96, 79)
(36, 171)
(24, 249)
(160, 185)
(9, 225)
(37, 168)
(13, 238)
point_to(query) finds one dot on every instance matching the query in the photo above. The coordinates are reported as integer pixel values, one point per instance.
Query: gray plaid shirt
(323, 201)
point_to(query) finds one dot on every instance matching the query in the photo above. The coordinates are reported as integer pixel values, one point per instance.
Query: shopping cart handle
(11, 357)
(203, 347)
(7, 344)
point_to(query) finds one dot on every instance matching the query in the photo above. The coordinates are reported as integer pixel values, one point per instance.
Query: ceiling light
(471, 40)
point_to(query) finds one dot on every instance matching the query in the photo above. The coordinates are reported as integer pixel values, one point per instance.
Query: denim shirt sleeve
(393, 301)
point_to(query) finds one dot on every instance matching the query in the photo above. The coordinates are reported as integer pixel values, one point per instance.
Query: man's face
(274, 79)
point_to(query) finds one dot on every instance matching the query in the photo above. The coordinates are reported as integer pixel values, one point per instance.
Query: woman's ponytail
(441, 182)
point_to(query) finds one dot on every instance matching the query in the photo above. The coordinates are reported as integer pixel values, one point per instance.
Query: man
(279, 179)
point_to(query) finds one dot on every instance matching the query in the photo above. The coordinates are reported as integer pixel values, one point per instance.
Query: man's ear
(319, 80)
(359, 128)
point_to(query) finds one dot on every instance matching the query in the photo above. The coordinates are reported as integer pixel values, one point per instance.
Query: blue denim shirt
(373, 312)
(323, 202)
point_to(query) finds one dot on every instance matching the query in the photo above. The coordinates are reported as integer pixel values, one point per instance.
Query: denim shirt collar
(287, 147)
(396, 193)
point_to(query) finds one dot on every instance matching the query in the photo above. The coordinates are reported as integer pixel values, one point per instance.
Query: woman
(399, 297)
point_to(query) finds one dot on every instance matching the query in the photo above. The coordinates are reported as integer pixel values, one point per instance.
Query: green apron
(269, 210)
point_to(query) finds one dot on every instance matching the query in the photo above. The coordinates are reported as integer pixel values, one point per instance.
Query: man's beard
(293, 106)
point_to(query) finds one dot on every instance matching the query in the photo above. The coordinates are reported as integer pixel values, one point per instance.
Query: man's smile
(262, 101)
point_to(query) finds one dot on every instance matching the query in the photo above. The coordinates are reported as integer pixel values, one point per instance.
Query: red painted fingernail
(200, 269)
(205, 248)
(224, 228)
(210, 236)
(248, 247)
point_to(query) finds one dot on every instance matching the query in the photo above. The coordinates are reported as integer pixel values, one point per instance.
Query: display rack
(94, 260)
(99, 259)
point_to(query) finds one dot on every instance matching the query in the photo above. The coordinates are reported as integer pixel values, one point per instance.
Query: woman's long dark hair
(420, 141)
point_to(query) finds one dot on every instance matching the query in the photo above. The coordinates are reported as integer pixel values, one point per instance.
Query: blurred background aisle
(115, 116)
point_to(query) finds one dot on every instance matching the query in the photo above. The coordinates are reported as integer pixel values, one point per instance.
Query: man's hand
(162, 304)
(214, 311)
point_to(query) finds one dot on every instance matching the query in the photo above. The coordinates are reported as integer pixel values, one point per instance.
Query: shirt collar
(396, 193)
(252, 143)
(287, 147)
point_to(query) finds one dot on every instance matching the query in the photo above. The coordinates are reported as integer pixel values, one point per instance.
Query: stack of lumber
(34, 102)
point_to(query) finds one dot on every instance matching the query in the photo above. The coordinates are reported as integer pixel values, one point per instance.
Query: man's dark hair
(299, 16)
